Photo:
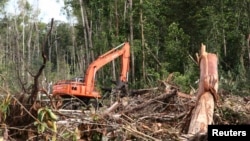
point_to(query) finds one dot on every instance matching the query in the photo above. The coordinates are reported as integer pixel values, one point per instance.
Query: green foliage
(189, 78)
(152, 75)
(176, 50)
(4, 107)
(8, 77)
(96, 136)
(183, 81)
(71, 135)
(235, 117)
(173, 30)
(234, 83)
(46, 120)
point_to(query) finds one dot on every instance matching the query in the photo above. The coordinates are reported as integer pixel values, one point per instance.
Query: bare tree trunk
(224, 43)
(35, 87)
(131, 40)
(116, 35)
(248, 48)
(242, 68)
(142, 42)
(29, 49)
(57, 57)
(22, 6)
(202, 114)
(17, 56)
(125, 11)
(29, 43)
(85, 34)
(116, 20)
(36, 49)
(23, 38)
(89, 32)
(223, 32)
(74, 48)
(2, 50)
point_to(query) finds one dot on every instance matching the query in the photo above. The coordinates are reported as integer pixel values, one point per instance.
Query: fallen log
(111, 108)
(142, 91)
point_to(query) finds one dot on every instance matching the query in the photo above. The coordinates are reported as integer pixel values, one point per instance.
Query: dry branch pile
(161, 113)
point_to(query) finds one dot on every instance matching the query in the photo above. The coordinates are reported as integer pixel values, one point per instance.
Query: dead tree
(35, 87)
(207, 97)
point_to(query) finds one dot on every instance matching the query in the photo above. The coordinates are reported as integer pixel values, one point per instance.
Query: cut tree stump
(207, 97)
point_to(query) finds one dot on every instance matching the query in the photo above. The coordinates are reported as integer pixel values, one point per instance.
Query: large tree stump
(202, 114)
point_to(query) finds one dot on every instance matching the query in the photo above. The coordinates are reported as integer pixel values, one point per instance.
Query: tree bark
(35, 87)
(248, 48)
(29, 49)
(202, 114)
(88, 25)
(131, 38)
(142, 42)
(116, 20)
(85, 34)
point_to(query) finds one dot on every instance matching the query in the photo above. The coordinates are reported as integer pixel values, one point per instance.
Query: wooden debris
(155, 114)
(111, 108)
(158, 98)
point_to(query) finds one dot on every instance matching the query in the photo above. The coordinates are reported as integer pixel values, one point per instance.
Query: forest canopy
(164, 37)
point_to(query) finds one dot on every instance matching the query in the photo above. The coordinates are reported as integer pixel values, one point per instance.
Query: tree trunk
(88, 25)
(142, 42)
(131, 40)
(73, 49)
(202, 114)
(248, 48)
(85, 34)
(224, 42)
(35, 87)
(23, 11)
(116, 35)
(29, 49)
(116, 20)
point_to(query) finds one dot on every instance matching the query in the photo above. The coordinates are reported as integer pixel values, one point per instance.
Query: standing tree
(142, 42)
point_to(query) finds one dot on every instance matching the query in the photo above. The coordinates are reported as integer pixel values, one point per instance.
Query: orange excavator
(84, 88)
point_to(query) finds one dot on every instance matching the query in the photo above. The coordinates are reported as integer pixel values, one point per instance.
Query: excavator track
(73, 104)
(79, 103)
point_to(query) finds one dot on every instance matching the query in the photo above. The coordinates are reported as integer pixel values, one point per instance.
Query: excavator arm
(102, 60)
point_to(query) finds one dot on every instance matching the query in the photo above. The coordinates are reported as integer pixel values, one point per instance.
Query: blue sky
(48, 9)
